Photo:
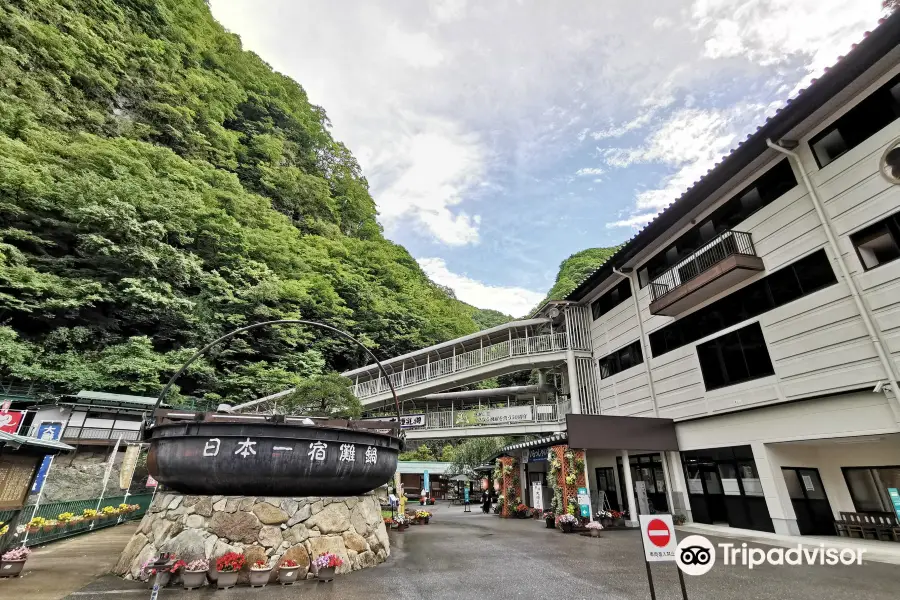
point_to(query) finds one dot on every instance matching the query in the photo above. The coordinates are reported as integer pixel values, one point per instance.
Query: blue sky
(500, 137)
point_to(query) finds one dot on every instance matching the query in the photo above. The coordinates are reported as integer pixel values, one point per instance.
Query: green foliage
(447, 453)
(160, 186)
(575, 268)
(422, 452)
(326, 395)
(475, 452)
(486, 318)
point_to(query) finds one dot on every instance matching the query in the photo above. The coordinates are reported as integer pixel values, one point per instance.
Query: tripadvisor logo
(696, 555)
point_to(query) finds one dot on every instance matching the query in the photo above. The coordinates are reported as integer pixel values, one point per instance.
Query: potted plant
(259, 573)
(49, 525)
(108, 512)
(423, 516)
(594, 527)
(566, 523)
(402, 522)
(154, 575)
(619, 517)
(549, 519)
(679, 519)
(227, 567)
(194, 574)
(521, 511)
(288, 572)
(13, 561)
(325, 564)
(35, 524)
(89, 514)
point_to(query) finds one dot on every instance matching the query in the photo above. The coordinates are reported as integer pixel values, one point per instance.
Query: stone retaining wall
(262, 528)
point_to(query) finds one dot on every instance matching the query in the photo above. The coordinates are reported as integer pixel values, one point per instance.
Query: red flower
(179, 564)
(229, 562)
(290, 563)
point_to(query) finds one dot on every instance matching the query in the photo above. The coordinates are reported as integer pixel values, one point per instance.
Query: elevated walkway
(514, 346)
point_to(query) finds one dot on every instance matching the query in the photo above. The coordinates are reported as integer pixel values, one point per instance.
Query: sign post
(467, 508)
(584, 502)
(659, 543)
(895, 500)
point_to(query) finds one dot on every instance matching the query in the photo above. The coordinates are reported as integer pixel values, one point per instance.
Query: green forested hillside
(575, 268)
(159, 186)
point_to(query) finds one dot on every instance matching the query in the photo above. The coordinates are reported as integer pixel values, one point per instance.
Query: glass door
(811, 507)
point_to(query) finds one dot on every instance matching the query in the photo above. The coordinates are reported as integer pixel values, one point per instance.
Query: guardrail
(100, 433)
(513, 415)
(541, 344)
(16, 533)
(713, 252)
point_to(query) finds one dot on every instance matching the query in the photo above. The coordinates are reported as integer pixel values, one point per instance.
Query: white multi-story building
(760, 312)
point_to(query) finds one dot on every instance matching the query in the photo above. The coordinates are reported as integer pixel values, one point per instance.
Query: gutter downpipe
(644, 346)
(845, 272)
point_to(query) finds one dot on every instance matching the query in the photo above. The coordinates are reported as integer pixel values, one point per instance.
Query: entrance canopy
(603, 432)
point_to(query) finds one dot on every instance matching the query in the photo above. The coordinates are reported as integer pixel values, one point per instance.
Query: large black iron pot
(269, 459)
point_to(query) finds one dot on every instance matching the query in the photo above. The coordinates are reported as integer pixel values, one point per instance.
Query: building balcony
(718, 265)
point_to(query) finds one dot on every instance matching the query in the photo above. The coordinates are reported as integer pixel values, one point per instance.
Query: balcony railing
(726, 244)
(100, 434)
(515, 415)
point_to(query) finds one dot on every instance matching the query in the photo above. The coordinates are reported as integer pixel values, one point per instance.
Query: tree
(475, 452)
(447, 453)
(324, 396)
(422, 452)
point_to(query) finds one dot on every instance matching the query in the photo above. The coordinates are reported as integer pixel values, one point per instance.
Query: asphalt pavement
(472, 555)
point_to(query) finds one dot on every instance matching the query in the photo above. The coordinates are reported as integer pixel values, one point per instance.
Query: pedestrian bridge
(514, 346)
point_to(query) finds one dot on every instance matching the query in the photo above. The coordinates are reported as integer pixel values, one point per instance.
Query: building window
(610, 299)
(858, 124)
(869, 487)
(762, 192)
(735, 357)
(801, 278)
(879, 243)
(621, 359)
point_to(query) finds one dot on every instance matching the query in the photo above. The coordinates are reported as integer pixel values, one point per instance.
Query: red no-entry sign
(659, 533)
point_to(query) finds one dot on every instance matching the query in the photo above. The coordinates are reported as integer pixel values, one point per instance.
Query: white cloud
(513, 301)
(636, 221)
(588, 171)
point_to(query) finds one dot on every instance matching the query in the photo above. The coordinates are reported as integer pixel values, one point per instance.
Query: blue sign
(427, 483)
(584, 502)
(466, 494)
(50, 432)
(895, 499)
(537, 454)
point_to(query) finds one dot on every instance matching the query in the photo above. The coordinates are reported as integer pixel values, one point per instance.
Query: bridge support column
(572, 374)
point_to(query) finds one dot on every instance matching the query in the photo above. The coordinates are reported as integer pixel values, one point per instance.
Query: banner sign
(129, 462)
(49, 431)
(584, 501)
(427, 485)
(537, 496)
(10, 420)
(494, 416)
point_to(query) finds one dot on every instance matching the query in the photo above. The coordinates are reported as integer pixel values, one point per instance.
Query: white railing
(542, 344)
(454, 419)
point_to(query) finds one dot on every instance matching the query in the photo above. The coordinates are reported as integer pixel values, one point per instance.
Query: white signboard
(658, 533)
(640, 491)
(406, 421)
(495, 416)
(537, 496)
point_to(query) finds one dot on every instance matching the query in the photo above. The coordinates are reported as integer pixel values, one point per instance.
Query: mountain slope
(160, 187)
(575, 268)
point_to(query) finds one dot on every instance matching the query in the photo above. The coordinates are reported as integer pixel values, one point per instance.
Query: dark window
(807, 275)
(861, 122)
(621, 359)
(610, 299)
(734, 357)
(879, 243)
(769, 186)
(869, 487)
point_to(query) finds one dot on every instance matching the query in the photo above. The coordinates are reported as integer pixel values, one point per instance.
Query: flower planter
(226, 579)
(618, 522)
(595, 532)
(550, 522)
(426, 520)
(259, 577)
(212, 574)
(288, 575)
(11, 568)
(326, 574)
(49, 528)
(566, 527)
(605, 521)
(193, 579)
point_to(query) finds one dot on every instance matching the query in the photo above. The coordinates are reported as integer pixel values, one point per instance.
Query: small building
(412, 477)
